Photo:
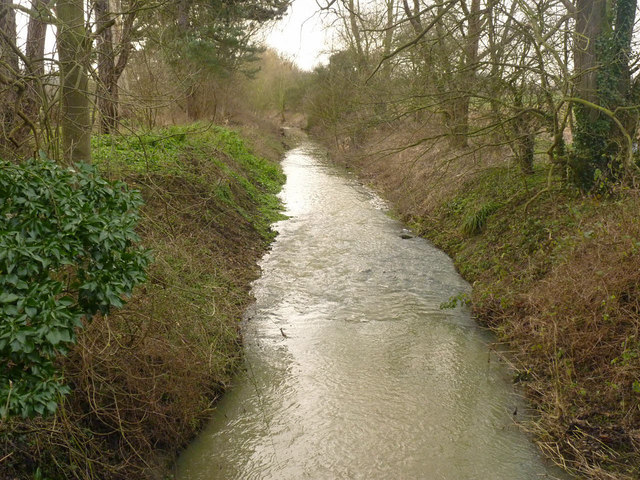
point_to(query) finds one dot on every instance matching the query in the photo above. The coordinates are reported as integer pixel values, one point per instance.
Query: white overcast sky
(300, 36)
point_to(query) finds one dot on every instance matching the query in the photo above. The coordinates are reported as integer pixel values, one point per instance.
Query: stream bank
(144, 378)
(555, 275)
(351, 368)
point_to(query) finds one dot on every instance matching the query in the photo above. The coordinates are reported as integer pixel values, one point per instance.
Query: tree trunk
(357, 38)
(458, 115)
(8, 38)
(526, 151)
(414, 16)
(522, 135)
(35, 56)
(388, 38)
(460, 104)
(590, 20)
(193, 109)
(183, 15)
(601, 79)
(625, 19)
(8, 70)
(36, 39)
(110, 69)
(73, 53)
(107, 89)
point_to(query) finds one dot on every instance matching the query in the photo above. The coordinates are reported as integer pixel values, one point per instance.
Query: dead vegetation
(557, 278)
(145, 377)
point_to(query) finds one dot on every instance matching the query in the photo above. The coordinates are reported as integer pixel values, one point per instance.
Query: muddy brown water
(353, 371)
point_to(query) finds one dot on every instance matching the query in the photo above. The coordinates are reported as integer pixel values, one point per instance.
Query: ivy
(67, 251)
(598, 142)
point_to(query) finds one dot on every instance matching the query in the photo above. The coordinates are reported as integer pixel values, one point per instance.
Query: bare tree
(9, 70)
(111, 64)
(34, 68)
(73, 50)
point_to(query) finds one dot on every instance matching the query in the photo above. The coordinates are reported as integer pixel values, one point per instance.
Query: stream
(353, 371)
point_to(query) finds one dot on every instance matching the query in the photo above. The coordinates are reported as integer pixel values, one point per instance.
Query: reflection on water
(353, 371)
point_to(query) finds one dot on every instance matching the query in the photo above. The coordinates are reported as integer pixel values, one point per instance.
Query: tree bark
(193, 108)
(107, 89)
(73, 53)
(523, 137)
(8, 70)
(183, 15)
(625, 19)
(109, 68)
(602, 81)
(589, 135)
(355, 31)
(414, 16)
(36, 35)
(388, 37)
(460, 104)
(8, 29)
(590, 20)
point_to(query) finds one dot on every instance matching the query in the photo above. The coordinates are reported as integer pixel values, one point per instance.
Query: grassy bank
(145, 377)
(555, 274)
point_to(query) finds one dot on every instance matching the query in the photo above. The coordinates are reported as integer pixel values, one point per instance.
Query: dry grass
(578, 329)
(145, 377)
(558, 278)
(415, 166)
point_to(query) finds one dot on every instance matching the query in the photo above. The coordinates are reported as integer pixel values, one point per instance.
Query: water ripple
(353, 370)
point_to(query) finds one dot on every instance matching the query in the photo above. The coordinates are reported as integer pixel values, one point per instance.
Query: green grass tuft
(476, 221)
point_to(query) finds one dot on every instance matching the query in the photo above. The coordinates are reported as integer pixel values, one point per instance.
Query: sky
(300, 36)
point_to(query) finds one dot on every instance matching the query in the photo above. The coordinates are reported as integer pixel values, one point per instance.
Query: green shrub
(67, 251)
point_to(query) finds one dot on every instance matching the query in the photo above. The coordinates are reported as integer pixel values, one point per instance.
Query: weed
(476, 221)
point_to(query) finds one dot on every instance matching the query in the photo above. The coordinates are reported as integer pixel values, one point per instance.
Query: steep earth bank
(555, 274)
(143, 378)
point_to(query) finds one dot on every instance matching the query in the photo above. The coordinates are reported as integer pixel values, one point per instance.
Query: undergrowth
(558, 278)
(179, 151)
(144, 377)
(555, 274)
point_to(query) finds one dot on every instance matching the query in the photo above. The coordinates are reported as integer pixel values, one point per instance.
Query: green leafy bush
(67, 251)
